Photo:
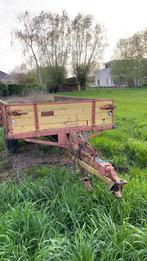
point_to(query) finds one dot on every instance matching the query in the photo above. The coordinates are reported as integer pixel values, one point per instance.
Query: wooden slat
(64, 125)
(60, 119)
(63, 107)
(26, 108)
(24, 122)
(23, 128)
(73, 111)
(101, 121)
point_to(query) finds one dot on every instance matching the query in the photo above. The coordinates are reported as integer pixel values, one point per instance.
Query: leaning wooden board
(40, 119)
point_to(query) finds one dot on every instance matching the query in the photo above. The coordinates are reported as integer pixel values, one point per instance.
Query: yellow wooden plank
(72, 106)
(18, 121)
(60, 119)
(23, 116)
(64, 125)
(24, 108)
(73, 111)
(23, 129)
(101, 121)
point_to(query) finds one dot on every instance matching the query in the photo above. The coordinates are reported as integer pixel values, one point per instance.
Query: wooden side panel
(51, 116)
(21, 118)
(64, 115)
(103, 116)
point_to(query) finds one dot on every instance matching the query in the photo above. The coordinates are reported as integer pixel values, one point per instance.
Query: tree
(129, 65)
(53, 39)
(126, 72)
(50, 39)
(28, 37)
(46, 39)
(54, 77)
(87, 43)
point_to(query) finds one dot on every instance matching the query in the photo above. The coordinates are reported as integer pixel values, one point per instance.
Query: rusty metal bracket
(89, 160)
(17, 113)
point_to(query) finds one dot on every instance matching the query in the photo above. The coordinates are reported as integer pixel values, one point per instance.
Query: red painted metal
(83, 100)
(107, 107)
(8, 129)
(93, 113)
(30, 134)
(17, 113)
(47, 113)
(44, 142)
(90, 160)
(36, 117)
(8, 119)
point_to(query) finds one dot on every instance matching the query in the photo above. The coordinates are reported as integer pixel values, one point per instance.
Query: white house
(103, 76)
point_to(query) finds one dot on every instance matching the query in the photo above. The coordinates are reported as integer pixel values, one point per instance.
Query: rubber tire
(11, 146)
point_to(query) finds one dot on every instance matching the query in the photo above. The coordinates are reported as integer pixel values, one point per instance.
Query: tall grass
(55, 218)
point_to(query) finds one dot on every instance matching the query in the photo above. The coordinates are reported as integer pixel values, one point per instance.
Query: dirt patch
(32, 156)
(13, 166)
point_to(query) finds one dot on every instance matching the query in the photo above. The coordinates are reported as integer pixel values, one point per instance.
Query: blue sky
(120, 18)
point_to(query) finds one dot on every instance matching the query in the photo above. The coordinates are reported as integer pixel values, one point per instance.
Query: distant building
(103, 76)
(4, 77)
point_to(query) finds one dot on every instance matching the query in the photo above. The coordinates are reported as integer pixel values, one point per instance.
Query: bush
(16, 89)
(54, 77)
(3, 90)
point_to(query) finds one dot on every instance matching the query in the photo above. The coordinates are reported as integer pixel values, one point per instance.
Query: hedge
(15, 89)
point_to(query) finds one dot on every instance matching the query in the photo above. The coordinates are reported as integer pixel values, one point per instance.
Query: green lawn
(55, 218)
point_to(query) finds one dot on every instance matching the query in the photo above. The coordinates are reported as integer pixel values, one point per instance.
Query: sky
(121, 18)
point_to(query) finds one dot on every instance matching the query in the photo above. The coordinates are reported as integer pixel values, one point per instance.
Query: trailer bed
(35, 119)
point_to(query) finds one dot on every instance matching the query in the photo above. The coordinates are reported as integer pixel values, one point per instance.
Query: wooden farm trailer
(71, 121)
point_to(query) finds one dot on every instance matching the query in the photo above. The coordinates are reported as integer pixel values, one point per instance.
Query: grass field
(55, 218)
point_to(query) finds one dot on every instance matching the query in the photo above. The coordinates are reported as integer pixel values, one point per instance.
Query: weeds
(55, 218)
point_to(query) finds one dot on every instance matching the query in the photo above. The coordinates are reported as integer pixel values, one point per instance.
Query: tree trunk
(39, 76)
(38, 68)
(82, 86)
(82, 81)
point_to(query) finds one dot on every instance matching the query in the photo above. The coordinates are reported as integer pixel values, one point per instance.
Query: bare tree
(53, 39)
(50, 39)
(87, 41)
(28, 37)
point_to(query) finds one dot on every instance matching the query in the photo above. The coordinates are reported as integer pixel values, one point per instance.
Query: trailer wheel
(11, 146)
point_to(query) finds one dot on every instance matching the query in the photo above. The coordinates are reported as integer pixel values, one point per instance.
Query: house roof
(3, 75)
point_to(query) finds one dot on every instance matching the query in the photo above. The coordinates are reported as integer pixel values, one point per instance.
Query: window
(107, 81)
